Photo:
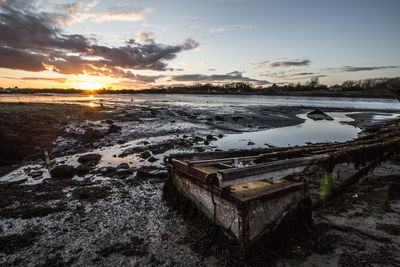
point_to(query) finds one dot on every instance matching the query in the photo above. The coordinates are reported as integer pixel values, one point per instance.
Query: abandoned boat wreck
(248, 192)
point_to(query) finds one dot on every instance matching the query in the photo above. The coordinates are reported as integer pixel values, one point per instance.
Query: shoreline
(327, 93)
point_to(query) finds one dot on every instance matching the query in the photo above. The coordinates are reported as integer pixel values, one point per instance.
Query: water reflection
(309, 131)
(214, 100)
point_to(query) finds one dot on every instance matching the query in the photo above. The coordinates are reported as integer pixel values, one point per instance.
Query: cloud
(195, 25)
(303, 74)
(145, 36)
(59, 80)
(260, 64)
(234, 76)
(228, 28)
(20, 60)
(289, 77)
(89, 6)
(32, 41)
(287, 64)
(66, 14)
(120, 12)
(354, 69)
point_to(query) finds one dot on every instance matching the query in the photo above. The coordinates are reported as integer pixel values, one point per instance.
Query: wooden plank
(270, 171)
(222, 160)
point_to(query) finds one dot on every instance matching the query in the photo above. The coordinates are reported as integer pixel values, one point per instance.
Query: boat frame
(246, 217)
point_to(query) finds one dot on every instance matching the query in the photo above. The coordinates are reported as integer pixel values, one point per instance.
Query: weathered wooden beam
(221, 160)
(271, 170)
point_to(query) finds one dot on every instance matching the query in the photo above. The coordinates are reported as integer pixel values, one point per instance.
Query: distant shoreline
(370, 93)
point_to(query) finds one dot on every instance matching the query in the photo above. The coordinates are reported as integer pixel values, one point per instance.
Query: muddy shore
(125, 219)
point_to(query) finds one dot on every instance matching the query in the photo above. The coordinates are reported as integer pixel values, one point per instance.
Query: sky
(152, 43)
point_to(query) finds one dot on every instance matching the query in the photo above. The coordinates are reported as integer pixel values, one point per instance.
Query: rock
(220, 135)
(317, 114)
(250, 143)
(94, 159)
(91, 135)
(210, 137)
(36, 174)
(219, 118)
(145, 155)
(124, 172)
(145, 173)
(206, 142)
(62, 172)
(152, 159)
(112, 128)
(236, 118)
(197, 139)
(83, 169)
(108, 171)
(123, 166)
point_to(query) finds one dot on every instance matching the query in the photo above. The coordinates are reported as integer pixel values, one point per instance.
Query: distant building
(335, 88)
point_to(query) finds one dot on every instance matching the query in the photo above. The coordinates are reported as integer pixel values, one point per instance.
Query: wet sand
(123, 218)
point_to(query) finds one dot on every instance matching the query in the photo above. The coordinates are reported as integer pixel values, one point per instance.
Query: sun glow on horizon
(88, 85)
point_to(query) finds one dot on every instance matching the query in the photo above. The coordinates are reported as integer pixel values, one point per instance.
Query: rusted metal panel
(263, 213)
(272, 170)
(245, 218)
(224, 213)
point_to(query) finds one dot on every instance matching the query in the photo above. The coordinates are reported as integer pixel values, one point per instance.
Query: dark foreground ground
(132, 218)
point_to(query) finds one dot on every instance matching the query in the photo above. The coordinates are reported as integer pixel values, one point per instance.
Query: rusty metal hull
(245, 218)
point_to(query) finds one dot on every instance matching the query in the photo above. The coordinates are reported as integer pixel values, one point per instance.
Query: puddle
(309, 131)
(109, 158)
(381, 117)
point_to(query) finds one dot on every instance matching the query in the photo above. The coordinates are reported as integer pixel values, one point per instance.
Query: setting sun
(88, 85)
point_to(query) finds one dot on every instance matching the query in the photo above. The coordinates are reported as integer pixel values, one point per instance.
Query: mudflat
(118, 208)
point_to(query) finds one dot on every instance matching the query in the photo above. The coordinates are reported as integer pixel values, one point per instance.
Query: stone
(123, 166)
(92, 158)
(83, 169)
(124, 172)
(152, 159)
(108, 171)
(210, 137)
(62, 172)
(36, 174)
(219, 118)
(145, 155)
(317, 114)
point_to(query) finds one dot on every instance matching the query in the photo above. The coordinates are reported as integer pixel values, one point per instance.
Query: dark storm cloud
(20, 60)
(30, 40)
(287, 64)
